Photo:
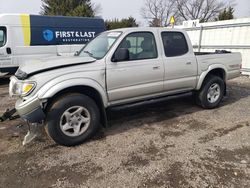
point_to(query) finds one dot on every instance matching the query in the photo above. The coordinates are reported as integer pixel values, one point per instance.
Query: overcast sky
(110, 8)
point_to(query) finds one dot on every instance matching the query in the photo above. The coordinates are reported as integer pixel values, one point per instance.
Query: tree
(125, 22)
(158, 12)
(226, 14)
(82, 8)
(155, 23)
(204, 10)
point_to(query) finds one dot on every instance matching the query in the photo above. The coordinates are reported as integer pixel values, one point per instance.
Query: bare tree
(97, 8)
(204, 10)
(158, 12)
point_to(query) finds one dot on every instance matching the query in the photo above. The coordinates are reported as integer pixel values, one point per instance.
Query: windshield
(2, 36)
(98, 47)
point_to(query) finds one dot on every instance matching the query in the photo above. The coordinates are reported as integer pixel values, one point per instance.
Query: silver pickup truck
(70, 95)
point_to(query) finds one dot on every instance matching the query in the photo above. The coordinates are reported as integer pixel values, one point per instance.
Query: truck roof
(141, 29)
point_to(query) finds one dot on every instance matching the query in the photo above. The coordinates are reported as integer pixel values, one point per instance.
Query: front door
(5, 53)
(140, 75)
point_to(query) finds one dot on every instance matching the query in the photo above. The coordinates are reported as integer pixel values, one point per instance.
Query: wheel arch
(219, 71)
(94, 91)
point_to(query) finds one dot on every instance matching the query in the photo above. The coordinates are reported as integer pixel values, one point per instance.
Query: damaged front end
(28, 107)
(34, 129)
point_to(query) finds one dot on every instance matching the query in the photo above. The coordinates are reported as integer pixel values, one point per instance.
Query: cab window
(2, 36)
(141, 45)
(175, 43)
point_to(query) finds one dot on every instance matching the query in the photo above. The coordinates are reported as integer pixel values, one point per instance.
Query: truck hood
(30, 68)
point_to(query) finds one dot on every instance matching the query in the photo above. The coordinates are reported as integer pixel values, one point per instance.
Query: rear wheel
(72, 119)
(211, 93)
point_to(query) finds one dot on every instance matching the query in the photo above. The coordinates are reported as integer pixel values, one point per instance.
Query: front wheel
(211, 93)
(72, 119)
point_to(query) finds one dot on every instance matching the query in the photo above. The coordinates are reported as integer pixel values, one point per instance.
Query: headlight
(21, 88)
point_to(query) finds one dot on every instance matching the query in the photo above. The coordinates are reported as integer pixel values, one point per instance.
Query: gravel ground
(169, 143)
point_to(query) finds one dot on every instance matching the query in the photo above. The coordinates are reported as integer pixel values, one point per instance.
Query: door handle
(156, 67)
(8, 50)
(188, 63)
(120, 70)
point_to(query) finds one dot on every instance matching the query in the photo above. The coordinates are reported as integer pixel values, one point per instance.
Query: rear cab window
(175, 43)
(3, 36)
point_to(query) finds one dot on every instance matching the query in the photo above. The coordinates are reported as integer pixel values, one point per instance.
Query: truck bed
(211, 53)
(230, 61)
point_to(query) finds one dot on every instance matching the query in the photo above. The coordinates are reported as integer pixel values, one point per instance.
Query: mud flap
(35, 130)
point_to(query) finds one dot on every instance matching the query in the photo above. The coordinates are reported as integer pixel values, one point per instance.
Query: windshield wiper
(89, 53)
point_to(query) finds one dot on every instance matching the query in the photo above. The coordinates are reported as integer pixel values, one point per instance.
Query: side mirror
(76, 53)
(122, 54)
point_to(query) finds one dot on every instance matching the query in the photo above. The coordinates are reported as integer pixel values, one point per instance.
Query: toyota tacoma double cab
(70, 95)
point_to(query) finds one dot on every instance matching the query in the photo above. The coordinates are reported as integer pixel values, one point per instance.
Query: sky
(110, 8)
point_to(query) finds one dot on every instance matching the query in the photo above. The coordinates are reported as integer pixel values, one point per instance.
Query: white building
(231, 35)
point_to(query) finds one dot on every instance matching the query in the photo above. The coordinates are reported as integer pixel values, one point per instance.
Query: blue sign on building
(59, 30)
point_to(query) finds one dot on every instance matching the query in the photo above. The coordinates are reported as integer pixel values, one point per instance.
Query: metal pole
(200, 39)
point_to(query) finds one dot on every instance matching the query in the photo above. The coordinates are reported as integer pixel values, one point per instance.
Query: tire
(72, 119)
(211, 92)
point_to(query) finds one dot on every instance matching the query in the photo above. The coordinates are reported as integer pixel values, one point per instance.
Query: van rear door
(5, 53)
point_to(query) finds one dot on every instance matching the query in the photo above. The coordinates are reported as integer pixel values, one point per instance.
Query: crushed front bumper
(30, 110)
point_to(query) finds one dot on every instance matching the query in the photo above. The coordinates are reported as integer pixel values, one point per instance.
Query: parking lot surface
(168, 143)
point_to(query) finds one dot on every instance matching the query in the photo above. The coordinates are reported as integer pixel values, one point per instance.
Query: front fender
(50, 89)
(206, 72)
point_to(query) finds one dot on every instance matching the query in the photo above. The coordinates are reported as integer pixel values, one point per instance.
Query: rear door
(141, 75)
(179, 62)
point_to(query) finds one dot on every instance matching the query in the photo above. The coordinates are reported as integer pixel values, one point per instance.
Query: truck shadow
(153, 111)
(162, 110)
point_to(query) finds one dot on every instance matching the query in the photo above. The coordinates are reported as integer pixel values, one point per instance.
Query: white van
(24, 37)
